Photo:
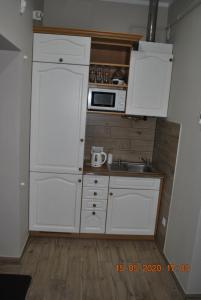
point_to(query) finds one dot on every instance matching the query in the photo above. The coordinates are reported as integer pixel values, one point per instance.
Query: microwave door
(102, 100)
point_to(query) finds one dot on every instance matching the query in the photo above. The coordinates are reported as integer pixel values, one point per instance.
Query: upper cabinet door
(61, 49)
(58, 115)
(149, 83)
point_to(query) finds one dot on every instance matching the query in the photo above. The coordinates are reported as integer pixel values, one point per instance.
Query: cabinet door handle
(81, 140)
(95, 181)
(93, 213)
(170, 59)
(94, 205)
(79, 180)
(61, 59)
(80, 169)
(111, 194)
(95, 194)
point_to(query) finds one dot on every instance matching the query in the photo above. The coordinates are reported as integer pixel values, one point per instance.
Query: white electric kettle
(98, 159)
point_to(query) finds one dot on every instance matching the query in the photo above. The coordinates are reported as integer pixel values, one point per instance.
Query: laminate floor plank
(82, 269)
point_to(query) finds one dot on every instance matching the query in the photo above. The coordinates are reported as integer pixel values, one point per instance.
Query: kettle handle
(105, 157)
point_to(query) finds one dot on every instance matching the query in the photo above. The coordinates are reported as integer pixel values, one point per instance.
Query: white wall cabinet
(55, 201)
(132, 210)
(149, 81)
(59, 99)
(61, 49)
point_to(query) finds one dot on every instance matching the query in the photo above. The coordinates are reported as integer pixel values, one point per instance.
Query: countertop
(105, 171)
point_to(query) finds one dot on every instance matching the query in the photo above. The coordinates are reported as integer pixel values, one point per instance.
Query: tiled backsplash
(164, 159)
(126, 139)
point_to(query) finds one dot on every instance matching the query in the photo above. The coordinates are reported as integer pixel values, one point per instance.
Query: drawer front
(93, 221)
(61, 49)
(90, 192)
(96, 181)
(94, 205)
(135, 183)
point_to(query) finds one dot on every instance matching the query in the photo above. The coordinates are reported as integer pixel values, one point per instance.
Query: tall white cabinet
(58, 116)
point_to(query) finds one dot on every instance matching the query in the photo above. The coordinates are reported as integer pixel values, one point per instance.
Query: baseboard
(91, 236)
(9, 260)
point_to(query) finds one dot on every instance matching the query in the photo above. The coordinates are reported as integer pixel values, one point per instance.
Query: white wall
(183, 232)
(102, 15)
(15, 87)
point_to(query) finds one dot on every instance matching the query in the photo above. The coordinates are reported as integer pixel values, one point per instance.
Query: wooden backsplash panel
(126, 139)
(164, 159)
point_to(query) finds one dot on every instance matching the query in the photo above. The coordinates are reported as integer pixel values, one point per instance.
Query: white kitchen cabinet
(61, 49)
(58, 116)
(149, 81)
(93, 221)
(55, 201)
(132, 210)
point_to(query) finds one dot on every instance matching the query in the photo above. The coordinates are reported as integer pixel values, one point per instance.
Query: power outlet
(37, 15)
(164, 222)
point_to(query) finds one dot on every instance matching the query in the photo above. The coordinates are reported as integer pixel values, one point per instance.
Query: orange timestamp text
(137, 267)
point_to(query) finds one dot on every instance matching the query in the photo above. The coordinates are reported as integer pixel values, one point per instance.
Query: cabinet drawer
(61, 49)
(94, 205)
(135, 183)
(93, 221)
(96, 181)
(90, 192)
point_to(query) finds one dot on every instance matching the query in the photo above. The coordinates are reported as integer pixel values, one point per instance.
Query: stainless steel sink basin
(139, 168)
(131, 167)
(116, 166)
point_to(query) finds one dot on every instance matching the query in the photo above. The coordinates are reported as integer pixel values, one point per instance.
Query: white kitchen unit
(55, 202)
(149, 80)
(61, 49)
(59, 97)
(58, 117)
(94, 204)
(132, 205)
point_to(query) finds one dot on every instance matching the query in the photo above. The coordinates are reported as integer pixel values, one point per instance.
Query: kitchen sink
(119, 166)
(139, 168)
(131, 167)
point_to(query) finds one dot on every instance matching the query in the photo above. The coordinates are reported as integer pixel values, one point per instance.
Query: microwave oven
(106, 99)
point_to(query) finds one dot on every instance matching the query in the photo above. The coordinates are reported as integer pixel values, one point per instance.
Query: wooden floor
(79, 269)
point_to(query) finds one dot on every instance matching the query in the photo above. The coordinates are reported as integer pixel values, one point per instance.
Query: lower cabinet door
(55, 201)
(132, 211)
(93, 221)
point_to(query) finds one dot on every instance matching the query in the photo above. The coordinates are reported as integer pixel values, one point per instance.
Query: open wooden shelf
(106, 112)
(109, 64)
(109, 85)
(111, 43)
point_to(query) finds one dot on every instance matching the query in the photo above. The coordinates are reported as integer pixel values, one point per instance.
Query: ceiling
(164, 3)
